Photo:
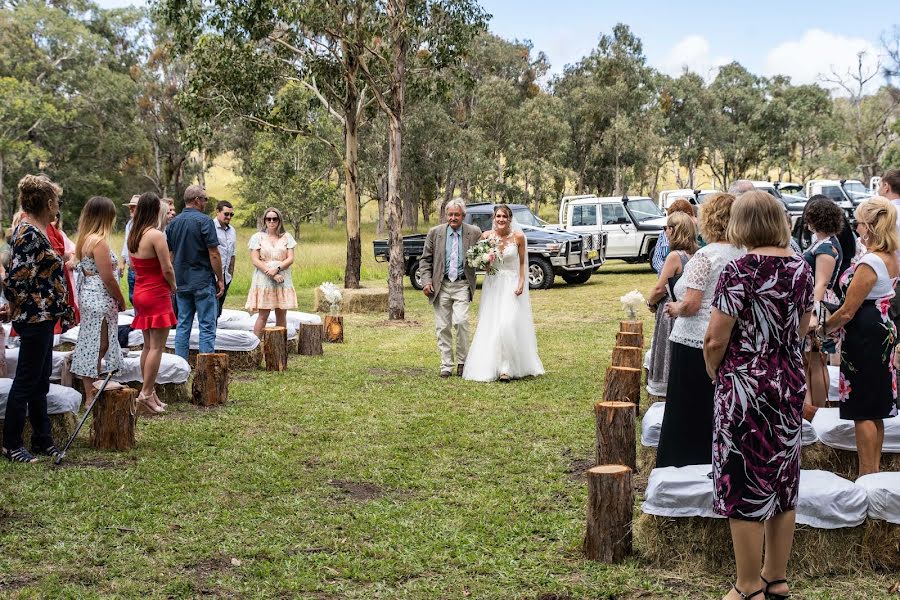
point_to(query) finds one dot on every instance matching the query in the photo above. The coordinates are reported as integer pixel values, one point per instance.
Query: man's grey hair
(739, 186)
(193, 192)
(456, 203)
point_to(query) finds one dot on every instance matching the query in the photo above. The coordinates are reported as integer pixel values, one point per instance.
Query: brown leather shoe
(459, 369)
(445, 374)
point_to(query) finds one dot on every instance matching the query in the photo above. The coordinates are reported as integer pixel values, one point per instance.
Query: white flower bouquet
(483, 256)
(332, 295)
(631, 302)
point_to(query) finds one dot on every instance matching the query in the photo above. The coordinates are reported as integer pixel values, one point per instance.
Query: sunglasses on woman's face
(272, 219)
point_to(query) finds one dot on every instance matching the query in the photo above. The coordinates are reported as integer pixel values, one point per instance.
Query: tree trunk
(614, 428)
(631, 327)
(2, 195)
(622, 384)
(463, 191)
(211, 374)
(114, 420)
(310, 343)
(627, 356)
(334, 329)
(624, 338)
(609, 513)
(275, 349)
(353, 270)
(396, 10)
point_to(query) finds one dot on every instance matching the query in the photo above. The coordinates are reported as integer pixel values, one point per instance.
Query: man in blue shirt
(198, 271)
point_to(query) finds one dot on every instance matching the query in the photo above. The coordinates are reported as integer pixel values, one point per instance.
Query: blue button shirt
(449, 248)
(190, 236)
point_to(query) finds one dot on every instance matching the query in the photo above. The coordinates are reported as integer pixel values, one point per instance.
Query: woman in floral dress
(868, 384)
(754, 354)
(272, 253)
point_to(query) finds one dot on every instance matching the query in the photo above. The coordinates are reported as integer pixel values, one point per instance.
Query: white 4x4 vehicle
(632, 225)
(839, 190)
(667, 197)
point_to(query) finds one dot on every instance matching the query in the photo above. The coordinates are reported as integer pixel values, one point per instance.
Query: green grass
(358, 474)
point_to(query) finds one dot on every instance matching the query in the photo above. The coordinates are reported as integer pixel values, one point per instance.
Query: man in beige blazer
(449, 283)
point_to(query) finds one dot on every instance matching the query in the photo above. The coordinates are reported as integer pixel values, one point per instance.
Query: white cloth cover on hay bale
(883, 490)
(172, 369)
(227, 340)
(834, 374)
(651, 424)
(13, 342)
(826, 501)
(59, 399)
(135, 337)
(838, 433)
(647, 360)
(12, 363)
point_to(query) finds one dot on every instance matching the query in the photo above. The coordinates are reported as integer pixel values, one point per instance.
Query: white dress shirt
(227, 244)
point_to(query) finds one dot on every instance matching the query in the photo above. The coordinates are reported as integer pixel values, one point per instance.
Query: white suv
(632, 225)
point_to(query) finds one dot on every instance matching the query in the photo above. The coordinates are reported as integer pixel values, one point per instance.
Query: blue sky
(800, 38)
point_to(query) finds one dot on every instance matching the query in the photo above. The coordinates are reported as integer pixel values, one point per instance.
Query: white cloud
(819, 53)
(692, 53)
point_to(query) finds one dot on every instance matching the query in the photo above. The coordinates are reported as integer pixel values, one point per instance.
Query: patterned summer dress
(868, 383)
(264, 292)
(760, 386)
(96, 305)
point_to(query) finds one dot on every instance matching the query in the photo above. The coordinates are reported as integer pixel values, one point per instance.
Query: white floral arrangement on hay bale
(332, 295)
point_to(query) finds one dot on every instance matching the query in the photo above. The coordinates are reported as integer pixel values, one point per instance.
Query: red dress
(59, 246)
(152, 296)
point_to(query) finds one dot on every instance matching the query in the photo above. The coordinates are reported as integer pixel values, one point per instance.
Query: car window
(833, 192)
(614, 214)
(585, 214)
(523, 216)
(644, 209)
(482, 221)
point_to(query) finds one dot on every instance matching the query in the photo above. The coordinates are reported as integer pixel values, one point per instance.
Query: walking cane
(65, 449)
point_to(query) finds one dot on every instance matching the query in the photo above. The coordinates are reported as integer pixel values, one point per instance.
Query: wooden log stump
(210, 386)
(609, 513)
(310, 339)
(631, 327)
(275, 349)
(616, 442)
(627, 356)
(623, 384)
(115, 415)
(635, 340)
(334, 329)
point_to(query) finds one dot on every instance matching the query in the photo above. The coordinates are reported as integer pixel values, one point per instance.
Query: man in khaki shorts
(449, 283)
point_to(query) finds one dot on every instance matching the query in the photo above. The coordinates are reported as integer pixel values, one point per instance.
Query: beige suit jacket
(431, 263)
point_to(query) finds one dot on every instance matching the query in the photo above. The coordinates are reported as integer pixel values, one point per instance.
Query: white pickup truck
(667, 197)
(839, 190)
(632, 225)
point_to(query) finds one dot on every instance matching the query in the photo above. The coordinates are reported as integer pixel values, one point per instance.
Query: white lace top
(701, 273)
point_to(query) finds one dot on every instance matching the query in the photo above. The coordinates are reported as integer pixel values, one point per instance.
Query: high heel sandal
(158, 401)
(748, 596)
(145, 400)
(773, 595)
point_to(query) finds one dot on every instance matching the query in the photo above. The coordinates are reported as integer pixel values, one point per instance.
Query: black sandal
(747, 596)
(773, 595)
(51, 451)
(19, 455)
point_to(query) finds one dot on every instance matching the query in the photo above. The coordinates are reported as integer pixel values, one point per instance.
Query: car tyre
(413, 273)
(577, 278)
(540, 273)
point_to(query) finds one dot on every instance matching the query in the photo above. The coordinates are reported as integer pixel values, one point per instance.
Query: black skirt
(868, 385)
(686, 436)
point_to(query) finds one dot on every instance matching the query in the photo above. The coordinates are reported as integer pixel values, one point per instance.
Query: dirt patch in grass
(404, 323)
(575, 465)
(11, 582)
(554, 596)
(405, 371)
(358, 491)
(96, 463)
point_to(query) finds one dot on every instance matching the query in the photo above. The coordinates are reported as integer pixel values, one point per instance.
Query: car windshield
(523, 216)
(644, 209)
(856, 190)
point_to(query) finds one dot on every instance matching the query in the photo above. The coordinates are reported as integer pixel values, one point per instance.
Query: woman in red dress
(59, 241)
(155, 282)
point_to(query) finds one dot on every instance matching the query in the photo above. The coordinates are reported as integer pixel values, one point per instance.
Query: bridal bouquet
(483, 256)
(631, 302)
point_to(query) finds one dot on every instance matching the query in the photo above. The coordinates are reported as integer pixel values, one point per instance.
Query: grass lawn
(358, 474)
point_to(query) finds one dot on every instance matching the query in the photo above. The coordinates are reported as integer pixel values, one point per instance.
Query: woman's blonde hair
(683, 232)
(36, 192)
(262, 220)
(95, 224)
(715, 213)
(758, 220)
(880, 218)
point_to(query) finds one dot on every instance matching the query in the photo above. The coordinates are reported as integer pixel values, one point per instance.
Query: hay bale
(241, 361)
(167, 392)
(841, 462)
(646, 459)
(362, 300)
(700, 543)
(61, 427)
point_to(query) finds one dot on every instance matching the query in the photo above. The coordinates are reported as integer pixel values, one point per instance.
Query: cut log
(631, 327)
(334, 329)
(275, 350)
(616, 442)
(627, 356)
(623, 384)
(311, 339)
(624, 338)
(609, 512)
(210, 386)
(114, 418)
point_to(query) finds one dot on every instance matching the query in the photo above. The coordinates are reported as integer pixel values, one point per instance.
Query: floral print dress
(97, 306)
(760, 386)
(868, 383)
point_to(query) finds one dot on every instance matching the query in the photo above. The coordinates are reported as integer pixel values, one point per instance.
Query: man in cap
(123, 257)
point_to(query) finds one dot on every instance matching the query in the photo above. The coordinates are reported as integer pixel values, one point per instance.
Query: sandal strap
(52, 450)
(20, 455)
(747, 596)
(773, 582)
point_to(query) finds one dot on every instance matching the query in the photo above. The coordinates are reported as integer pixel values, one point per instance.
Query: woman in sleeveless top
(101, 298)
(868, 384)
(155, 281)
(824, 219)
(682, 236)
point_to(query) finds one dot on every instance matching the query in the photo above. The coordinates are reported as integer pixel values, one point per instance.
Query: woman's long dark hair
(146, 216)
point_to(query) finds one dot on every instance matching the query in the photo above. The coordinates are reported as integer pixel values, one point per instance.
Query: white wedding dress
(504, 341)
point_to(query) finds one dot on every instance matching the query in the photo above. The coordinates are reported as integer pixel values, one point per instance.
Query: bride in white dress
(504, 346)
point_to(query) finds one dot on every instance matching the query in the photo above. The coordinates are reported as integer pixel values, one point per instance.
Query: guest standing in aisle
(272, 253)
